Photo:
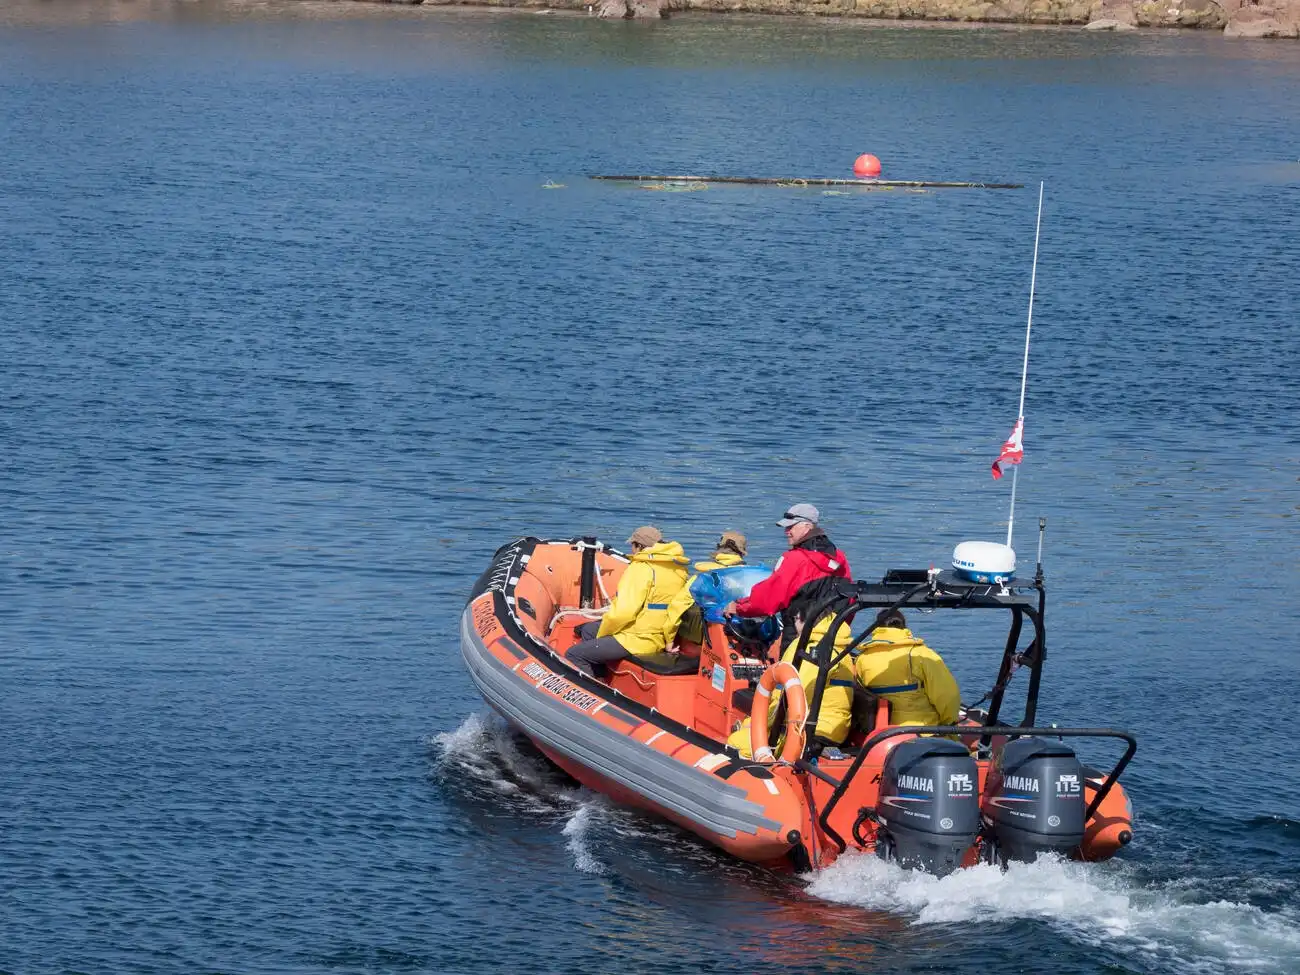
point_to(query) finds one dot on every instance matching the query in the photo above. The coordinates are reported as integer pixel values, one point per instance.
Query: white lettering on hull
(561, 688)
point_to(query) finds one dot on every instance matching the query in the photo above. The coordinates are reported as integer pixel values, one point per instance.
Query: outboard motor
(1033, 800)
(929, 805)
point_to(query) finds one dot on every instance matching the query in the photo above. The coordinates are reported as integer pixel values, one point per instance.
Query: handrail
(1011, 731)
(803, 765)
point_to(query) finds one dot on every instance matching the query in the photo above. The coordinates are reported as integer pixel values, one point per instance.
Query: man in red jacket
(804, 578)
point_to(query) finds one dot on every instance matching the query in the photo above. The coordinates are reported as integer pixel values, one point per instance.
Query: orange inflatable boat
(653, 736)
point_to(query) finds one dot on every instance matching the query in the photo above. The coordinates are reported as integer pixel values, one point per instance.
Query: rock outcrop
(631, 9)
(1265, 18)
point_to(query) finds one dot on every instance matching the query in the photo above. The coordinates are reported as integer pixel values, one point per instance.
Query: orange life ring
(786, 677)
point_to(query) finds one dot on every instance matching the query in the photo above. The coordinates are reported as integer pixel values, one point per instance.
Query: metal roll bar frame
(855, 597)
(932, 589)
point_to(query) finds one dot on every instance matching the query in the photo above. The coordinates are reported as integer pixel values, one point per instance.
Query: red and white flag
(1013, 449)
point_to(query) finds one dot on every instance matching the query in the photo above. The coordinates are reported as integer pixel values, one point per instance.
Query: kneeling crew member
(913, 678)
(634, 622)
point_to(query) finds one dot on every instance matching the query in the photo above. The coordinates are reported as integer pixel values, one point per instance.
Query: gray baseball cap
(797, 513)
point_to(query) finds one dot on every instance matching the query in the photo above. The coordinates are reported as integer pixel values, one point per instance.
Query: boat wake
(1176, 926)
(504, 767)
(496, 763)
(1161, 916)
(578, 830)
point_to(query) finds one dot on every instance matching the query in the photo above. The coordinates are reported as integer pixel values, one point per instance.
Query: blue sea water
(293, 338)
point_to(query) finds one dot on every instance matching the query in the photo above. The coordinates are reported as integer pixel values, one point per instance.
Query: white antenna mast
(1024, 369)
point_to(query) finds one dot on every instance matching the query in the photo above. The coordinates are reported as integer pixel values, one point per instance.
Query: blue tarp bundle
(714, 589)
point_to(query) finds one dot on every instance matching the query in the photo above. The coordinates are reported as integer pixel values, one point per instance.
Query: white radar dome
(984, 561)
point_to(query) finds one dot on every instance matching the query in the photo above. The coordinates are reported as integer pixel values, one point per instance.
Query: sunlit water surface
(293, 339)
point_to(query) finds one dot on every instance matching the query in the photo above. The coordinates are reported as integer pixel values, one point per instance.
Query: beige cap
(646, 535)
(734, 542)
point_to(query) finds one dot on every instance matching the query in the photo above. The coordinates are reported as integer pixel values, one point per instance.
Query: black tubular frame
(825, 663)
(905, 589)
(989, 730)
(587, 574)
(920, 589)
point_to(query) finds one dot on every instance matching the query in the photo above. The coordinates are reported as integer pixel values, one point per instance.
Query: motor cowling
(928, 807)
(1033, 799)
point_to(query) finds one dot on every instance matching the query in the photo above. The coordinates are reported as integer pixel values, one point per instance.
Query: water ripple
(294, 341)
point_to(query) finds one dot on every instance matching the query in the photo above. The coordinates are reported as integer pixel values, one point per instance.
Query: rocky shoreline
(1235, 18)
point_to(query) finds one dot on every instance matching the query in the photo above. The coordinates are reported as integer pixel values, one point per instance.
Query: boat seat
(866, 708)
(666, 664)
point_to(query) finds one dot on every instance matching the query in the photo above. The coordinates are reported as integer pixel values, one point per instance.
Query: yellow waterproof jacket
(636, 617)
(683, 601)
(914, 679)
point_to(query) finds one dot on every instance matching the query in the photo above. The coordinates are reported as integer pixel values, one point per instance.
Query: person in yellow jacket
(730, 550)
(836, 714)
(634, 622)
(915, 681)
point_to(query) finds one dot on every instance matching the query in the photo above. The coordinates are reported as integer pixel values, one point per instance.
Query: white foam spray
(1162, 926)
(579, 829)
(484, 748)
(486, 751)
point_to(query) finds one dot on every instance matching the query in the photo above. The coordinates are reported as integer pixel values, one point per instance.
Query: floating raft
(813, 181)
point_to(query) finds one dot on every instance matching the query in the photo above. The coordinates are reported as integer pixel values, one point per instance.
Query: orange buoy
(866, 166)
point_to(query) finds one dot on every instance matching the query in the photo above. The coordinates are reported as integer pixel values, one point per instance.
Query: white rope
(603, 592)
